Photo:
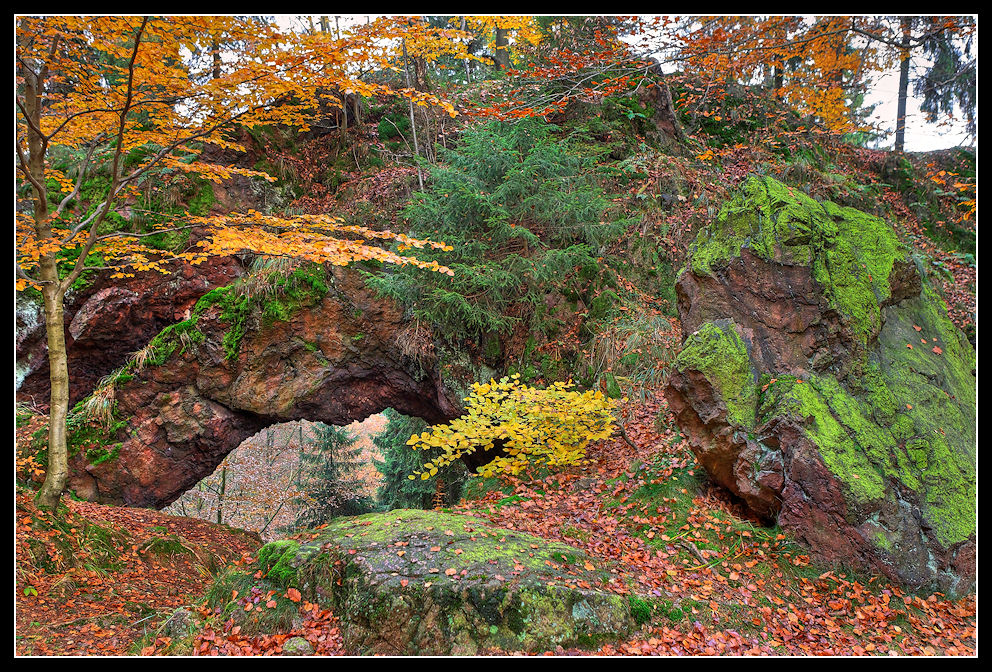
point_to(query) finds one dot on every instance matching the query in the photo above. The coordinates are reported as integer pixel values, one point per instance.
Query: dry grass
(416, 342)
(635, 350)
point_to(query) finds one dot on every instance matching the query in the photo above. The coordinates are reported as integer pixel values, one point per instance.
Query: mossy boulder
(412, 582)
(821, 381)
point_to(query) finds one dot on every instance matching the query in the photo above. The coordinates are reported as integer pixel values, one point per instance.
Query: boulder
(412, 582)
(822, 382)
(297, 646)
(179, 625)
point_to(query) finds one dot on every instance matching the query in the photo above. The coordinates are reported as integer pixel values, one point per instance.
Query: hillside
(502, 340)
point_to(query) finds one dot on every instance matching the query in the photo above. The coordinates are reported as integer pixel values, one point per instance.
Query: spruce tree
(399, 461)
(326, 480)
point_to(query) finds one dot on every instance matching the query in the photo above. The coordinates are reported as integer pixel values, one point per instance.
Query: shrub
(532, 426)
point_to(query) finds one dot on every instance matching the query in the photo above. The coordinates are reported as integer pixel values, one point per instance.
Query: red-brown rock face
(108, 321)
(344, 357)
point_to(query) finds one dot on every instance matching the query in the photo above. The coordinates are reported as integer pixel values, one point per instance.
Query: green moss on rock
(892, 413)
(719, 352)
(426, 582)
(276, 559)
(874, 463)
(851, 254)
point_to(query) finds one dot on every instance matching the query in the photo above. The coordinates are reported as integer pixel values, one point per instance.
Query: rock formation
(822, 382)
(248, 357)
(411, 582)
(107, 321)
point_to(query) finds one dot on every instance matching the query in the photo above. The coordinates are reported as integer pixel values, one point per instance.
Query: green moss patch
(850, 254)
(718, 350)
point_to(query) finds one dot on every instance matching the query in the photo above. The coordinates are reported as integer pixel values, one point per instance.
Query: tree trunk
(215, 46)
(501, 53)
(907, 25)
(468, 63)
(413, 120)
(57, 472)
(220, 495)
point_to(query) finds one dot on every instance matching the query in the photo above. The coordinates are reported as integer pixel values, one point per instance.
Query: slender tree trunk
(215, 46)
(344, 111)
(501, 53)
(220, 495)
(907, 25)
(413, 119)
(57, 472)
(468, 63)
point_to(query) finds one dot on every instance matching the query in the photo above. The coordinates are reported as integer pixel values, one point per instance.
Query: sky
(921, 136)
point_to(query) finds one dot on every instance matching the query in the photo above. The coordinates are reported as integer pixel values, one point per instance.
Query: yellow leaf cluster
(550, 426)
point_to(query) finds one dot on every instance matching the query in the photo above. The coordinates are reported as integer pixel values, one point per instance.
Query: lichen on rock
(823, 382)
(411, 582)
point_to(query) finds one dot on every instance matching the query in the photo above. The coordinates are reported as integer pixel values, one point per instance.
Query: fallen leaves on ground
(68, 603)
(754, 594)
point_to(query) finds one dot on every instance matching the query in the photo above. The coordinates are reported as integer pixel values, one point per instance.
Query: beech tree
(532, 426)
(136, 97)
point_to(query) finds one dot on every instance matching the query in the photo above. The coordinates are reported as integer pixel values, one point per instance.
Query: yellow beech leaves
(317, 238)
(550, 426)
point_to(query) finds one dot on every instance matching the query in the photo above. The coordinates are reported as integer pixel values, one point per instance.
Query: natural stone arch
(346, 355)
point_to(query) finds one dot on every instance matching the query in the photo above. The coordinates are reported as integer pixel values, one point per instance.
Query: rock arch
(345, 356)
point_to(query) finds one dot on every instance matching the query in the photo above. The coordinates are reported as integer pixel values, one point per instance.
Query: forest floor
(102, 580)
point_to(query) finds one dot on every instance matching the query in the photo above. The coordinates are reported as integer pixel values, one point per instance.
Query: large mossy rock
(821, 381)
(411, 582)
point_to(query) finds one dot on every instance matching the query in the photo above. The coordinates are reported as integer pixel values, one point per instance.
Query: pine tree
(326, 479)
(397, 491)
(526, 216)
